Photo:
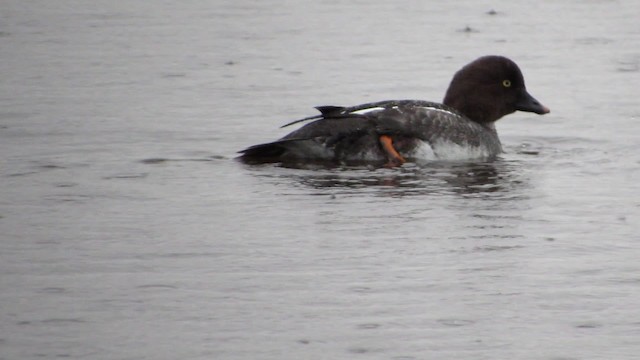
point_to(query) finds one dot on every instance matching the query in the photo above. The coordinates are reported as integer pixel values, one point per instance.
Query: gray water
(127, 230)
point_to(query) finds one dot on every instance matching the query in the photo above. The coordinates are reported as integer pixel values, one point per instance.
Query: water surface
(129, 232)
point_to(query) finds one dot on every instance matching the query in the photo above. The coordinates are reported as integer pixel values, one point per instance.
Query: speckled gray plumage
(352, 133)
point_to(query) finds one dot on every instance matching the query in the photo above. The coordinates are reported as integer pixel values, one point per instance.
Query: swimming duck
(390, 132)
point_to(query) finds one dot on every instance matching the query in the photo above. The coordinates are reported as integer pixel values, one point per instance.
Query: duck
(392, 132)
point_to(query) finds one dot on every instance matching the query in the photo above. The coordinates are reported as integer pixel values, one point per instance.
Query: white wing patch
(366, 111)
(379, 108)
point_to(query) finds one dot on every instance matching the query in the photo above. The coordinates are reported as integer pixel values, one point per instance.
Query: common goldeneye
(389, 132)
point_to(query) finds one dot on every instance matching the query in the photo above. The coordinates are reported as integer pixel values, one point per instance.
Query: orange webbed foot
(395, 159)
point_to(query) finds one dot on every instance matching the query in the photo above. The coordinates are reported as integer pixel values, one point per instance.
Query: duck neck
(476, 111)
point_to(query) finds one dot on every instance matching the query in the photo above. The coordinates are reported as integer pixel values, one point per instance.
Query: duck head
(489, 88)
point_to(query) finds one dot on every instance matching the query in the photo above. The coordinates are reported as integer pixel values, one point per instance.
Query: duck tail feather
(267, 152)
(263, 151)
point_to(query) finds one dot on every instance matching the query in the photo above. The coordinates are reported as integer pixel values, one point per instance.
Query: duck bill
(530, 104)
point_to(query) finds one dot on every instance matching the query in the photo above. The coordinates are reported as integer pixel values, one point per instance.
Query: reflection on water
(497, 176)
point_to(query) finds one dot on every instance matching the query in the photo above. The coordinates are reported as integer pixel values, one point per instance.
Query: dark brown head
(490, 88)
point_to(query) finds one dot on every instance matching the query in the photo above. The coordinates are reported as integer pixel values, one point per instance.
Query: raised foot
(395, 159)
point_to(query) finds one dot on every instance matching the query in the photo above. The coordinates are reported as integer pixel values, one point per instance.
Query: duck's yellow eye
(506, 83)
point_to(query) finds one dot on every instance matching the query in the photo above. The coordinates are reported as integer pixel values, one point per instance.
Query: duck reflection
(490, 177)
